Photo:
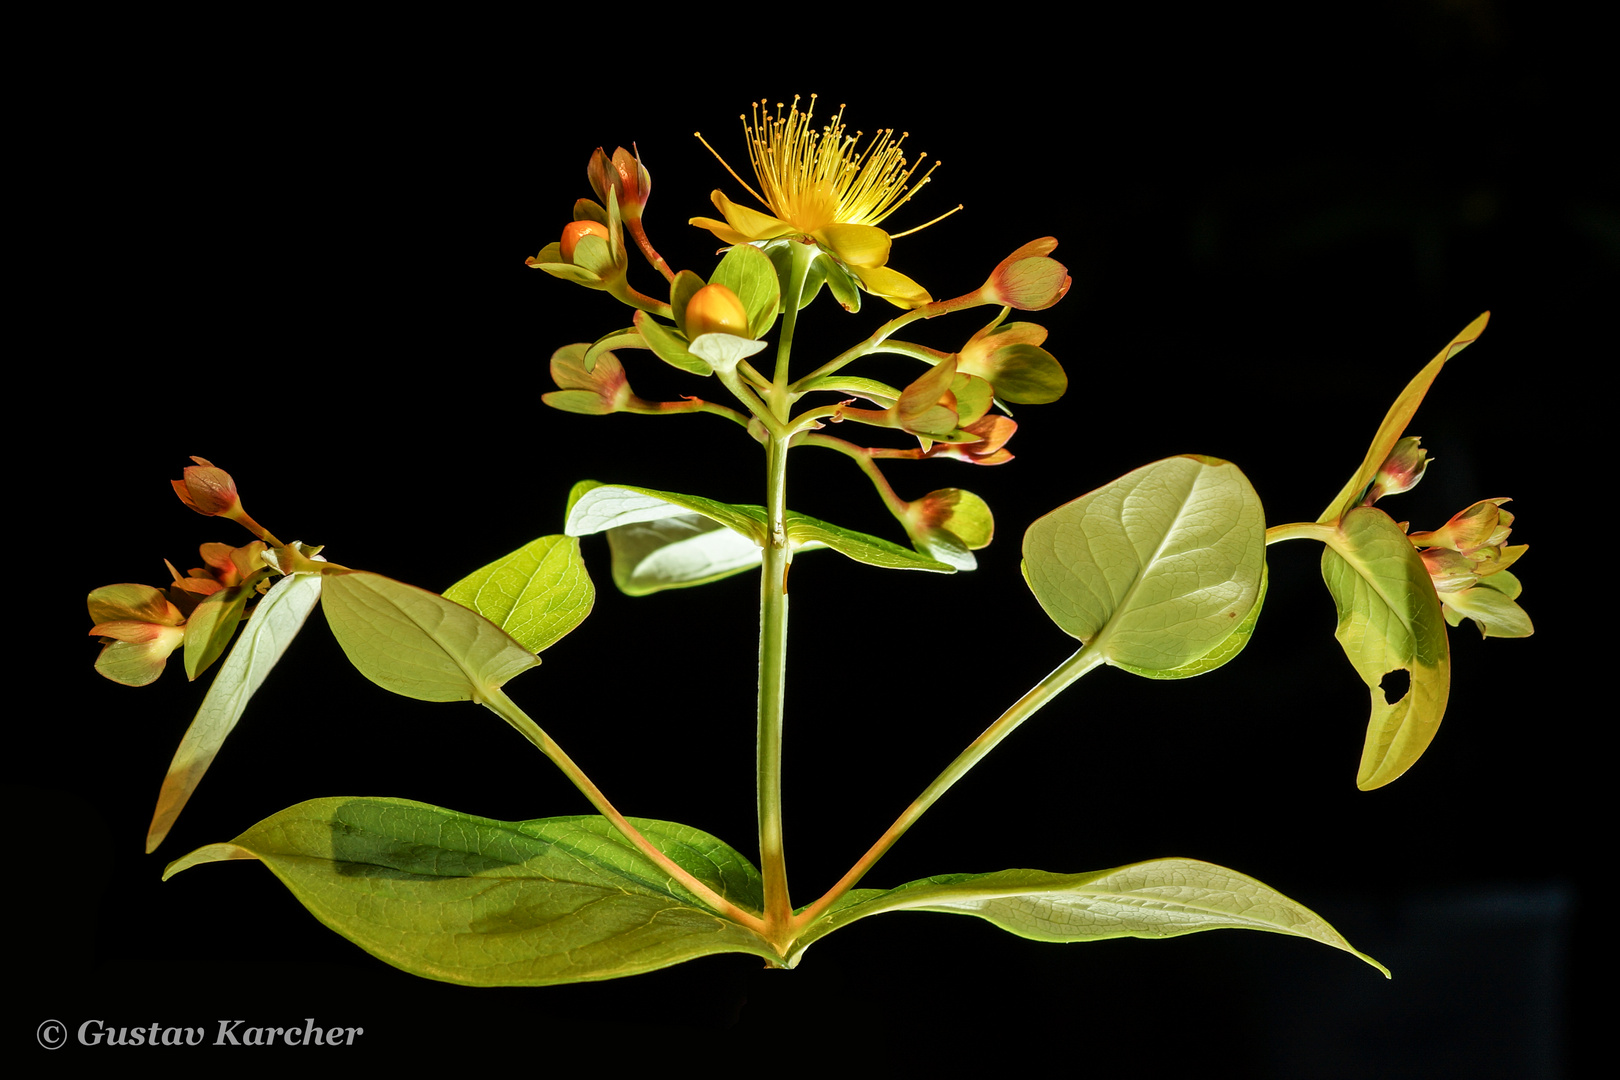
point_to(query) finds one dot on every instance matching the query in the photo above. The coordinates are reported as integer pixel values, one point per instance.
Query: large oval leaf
(1158, 899)
(470, 900)
(416, 643)
(1157, 569)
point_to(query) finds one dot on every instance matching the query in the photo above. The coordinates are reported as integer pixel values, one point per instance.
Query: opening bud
(575, 231)
(715, 309)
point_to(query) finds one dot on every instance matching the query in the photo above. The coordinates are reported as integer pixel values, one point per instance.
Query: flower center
(811, 179)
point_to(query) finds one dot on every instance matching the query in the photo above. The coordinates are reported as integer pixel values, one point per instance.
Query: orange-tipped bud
(575, 231)
(715, 309)
(207, 490)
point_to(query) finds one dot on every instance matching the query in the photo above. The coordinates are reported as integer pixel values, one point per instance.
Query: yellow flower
(819, 189)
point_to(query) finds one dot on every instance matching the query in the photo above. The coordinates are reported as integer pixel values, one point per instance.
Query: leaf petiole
(1083, 661)
(497, 702)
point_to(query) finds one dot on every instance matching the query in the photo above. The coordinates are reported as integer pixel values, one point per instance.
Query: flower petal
(893, 286)
(745, 224)
(856, 245)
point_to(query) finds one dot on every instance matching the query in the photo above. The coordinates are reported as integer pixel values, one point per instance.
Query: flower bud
(207, 490)
(1400, 472)
(1027, 279)
(624, 174)
(715, 309)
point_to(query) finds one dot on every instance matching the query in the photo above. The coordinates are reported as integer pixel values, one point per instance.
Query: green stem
(773, 622)
(855, 352)
(1025, 707)
(798, 269)
(862, 456)
(1301, 530)
(773, 617)
(507, 709)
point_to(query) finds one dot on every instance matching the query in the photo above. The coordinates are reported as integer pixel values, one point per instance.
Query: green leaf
(276, 620)
(1158, 899)
(212, 623)
(808, 533)
(747, 272)
(416, 643)
(1389, 620)
(470, 900)
(627, 338)
(1224, 653)
(670, 346)
(1157, 569)
(537, 594)
(881, 394)
(665, 540)
(1395, 421)
(685, 286)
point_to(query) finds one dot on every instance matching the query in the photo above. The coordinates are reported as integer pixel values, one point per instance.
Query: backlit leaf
(276, 620)
(479, 902)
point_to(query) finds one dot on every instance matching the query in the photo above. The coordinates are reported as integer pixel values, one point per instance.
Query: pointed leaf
(807, 533)
(480, 902)
(537, 594)
(275, 622)
(416, 643)
(877, 392)
(664, 540)
(211, 625)
(1389, 620)
(1158, 899)
(1395, 421)
(669, 345)
(1157, 569)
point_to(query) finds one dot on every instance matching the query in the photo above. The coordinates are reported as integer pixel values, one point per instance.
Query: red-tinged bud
(601, 390)
(207, 490)
(993, 431)
(624, 174)
(212, 492)
(575, 231)
(949, 525)
(1400, 472)
(715, 309)
(1027, 279)
(1483, 525)
(1467, 560)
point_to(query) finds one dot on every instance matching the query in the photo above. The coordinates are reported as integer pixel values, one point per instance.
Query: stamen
(812, 178)
(722, 162)
(924, 225)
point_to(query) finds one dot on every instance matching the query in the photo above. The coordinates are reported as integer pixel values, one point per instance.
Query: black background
(307, 265)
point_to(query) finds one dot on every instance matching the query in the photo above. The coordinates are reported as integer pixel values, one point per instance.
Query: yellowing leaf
(1389, 620)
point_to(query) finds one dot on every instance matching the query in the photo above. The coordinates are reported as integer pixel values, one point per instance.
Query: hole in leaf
(1395, 684)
